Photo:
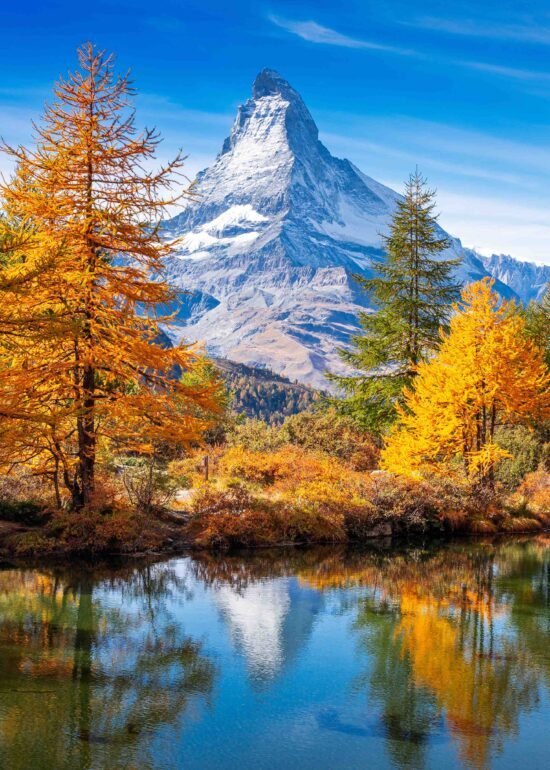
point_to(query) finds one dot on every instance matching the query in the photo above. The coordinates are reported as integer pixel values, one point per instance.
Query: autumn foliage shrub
(90, 532)
(22, 498)
(234, 517)
(315, 431)
(525, 451)
(296, 496)
(256, 435)
(335, 434)
(533, 496)
(258, 467)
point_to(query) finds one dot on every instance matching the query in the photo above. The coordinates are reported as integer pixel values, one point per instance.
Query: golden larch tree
(81, 353)
(486, 373)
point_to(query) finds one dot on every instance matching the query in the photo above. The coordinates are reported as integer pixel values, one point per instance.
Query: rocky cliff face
(269, 246)
(527, 280)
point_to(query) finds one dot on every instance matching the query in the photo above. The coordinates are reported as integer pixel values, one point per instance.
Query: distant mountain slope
(262, 394)
(270, 244)
(527, 280)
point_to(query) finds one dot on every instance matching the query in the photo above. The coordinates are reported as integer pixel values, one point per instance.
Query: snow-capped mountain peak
(270, 244)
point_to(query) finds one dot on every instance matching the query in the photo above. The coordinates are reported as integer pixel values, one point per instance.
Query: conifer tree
(537, 322)
(412, 291)
(80, 357)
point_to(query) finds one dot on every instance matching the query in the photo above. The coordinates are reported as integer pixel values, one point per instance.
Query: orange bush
(533, 495)
(258, 467)
(267, 524)
(284, 466)
(91, 532)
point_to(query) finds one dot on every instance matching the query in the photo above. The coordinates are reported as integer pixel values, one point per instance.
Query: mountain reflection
(428, 648)
(456, 638)
(91, 667)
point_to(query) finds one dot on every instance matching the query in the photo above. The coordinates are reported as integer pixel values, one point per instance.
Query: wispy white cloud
(497, 225)
(457, 150)
(316, 33)
(427, 161)
(532, 32)
(313, 32)
(492, 191)
(508, 72)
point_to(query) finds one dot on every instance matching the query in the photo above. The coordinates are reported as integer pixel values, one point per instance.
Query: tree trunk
(86, 441)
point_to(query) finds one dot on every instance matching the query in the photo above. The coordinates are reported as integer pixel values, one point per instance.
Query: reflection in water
(269, 622)
(85, 681)
(428, 650)
(443, 634)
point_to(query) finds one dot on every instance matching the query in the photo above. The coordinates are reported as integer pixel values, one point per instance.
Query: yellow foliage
(288, 466)
(258, 467)
(485, 372)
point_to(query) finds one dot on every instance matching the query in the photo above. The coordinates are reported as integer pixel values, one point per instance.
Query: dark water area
(423, 657)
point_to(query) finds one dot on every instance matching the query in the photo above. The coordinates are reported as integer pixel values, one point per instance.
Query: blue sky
(461, 89)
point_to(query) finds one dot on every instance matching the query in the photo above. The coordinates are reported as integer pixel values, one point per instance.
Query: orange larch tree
(81, 357)
(486, 373)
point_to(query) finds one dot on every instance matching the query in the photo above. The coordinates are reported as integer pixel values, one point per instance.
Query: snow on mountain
(267, 249)
(526, 279)
(269, 622)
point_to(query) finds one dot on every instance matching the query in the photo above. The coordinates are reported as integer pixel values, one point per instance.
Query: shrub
(533, 496)
(525, 450)
(258, 467)
(23, 512)
(90, 532)
(31, 544)
(20, 496)
(209, 500)
(335, 434)
(148, 485)
(256, 436)
(414, 504)
(232, 518)
(317, 431)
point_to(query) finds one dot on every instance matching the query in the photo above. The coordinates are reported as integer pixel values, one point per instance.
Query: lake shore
(175, 533)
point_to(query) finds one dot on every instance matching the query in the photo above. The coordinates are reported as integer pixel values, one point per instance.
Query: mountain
(526, 279)
(267, 248)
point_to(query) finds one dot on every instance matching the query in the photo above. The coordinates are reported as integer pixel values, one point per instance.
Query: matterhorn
(267, 249)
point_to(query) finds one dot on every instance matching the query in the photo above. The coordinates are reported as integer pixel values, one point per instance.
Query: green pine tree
(412, 290)
(537, 326)
(537, 321)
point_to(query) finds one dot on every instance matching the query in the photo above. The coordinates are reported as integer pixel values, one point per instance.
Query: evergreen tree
(537, 323)
(412, 290)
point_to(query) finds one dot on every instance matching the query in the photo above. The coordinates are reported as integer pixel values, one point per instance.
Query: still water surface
(321, 659)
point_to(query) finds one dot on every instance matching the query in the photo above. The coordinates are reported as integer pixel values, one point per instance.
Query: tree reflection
(457, 634)
(95, 672)
(90, 678)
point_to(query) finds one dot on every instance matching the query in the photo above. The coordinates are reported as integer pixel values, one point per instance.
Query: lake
(415, 657)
